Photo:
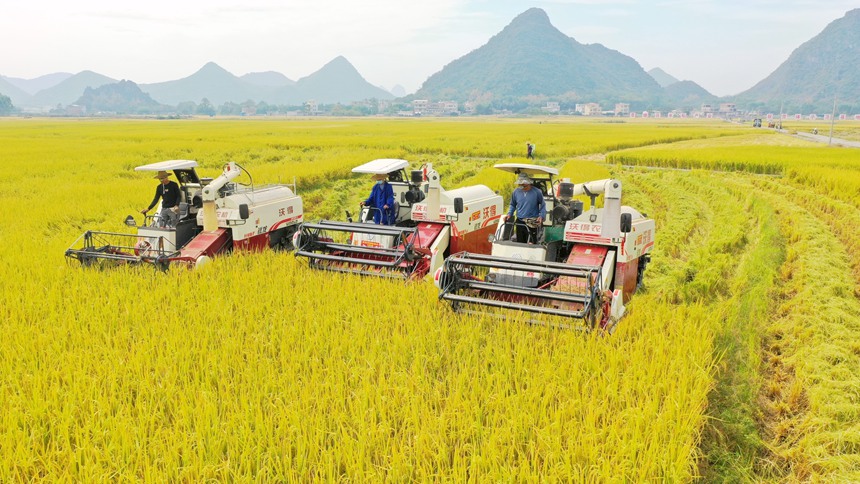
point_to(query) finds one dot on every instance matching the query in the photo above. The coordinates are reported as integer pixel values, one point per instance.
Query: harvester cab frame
(190, 202)
(542, 178)
(586, 268)
(215, 216)
(407, 187)
(431, 223)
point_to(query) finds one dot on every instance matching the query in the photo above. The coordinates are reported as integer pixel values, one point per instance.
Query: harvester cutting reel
(558, 292)
(360, 248)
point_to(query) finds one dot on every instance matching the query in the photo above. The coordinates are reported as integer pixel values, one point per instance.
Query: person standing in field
(381, 201)
(530, 151)
(530, 207)
(168, 192)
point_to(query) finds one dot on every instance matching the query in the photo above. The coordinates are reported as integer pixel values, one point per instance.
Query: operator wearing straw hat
(530, 207)
(168, 191)
(381, 200)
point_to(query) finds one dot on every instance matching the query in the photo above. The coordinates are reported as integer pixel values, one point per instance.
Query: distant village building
(551, 108)
(728, 109)
(444, 108)
(249, 110)
(470, 107)
(419, 106)
(423, 107)
(311, 108)
(588, 109)
(622, 109)
(707, 108)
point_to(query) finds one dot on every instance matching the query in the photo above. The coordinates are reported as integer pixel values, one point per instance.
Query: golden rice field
(739, 362)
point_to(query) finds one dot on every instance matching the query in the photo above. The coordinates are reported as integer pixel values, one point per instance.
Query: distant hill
(531, 57)
(123, 97)
(338, 82)
(687, 95)
(398, 91)
(211, 82)
(662, 77)
(268, 79)
(32, 86)
(15, 94)
(69, 90)
(821, 69)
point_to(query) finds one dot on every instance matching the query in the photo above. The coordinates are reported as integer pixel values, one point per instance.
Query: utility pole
(832, 119)
(779, 122)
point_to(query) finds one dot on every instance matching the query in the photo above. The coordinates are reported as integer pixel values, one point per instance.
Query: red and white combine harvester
(429, 224)
(586, 266)
(215, 216)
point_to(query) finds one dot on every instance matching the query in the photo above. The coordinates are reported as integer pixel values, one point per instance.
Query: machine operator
(168, 191)
(530, 207)
(381, 200)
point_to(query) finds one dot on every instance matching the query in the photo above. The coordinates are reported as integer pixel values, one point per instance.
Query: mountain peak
(531, 57)
(338, 67)
(338, 81)
(211, 68)
(662, 77)
(533, 17)
(339, 62)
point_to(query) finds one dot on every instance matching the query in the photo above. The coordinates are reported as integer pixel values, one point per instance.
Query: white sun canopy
(530, 170)
(168, 165)
(382, 166)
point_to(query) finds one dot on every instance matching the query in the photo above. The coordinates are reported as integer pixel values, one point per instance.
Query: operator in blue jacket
(381, 201)
(530, 207)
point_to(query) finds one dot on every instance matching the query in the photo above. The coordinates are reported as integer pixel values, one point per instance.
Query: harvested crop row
(813, 338)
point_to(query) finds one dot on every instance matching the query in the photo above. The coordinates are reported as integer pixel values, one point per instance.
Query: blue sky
(725, 46)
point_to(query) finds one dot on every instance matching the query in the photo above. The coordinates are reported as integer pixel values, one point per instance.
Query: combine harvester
(430, 223)
(587, 266)
(215, 216)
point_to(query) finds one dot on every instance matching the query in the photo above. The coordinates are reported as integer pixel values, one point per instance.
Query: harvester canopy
(382, 166)
(530, 170)
(183, 169)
